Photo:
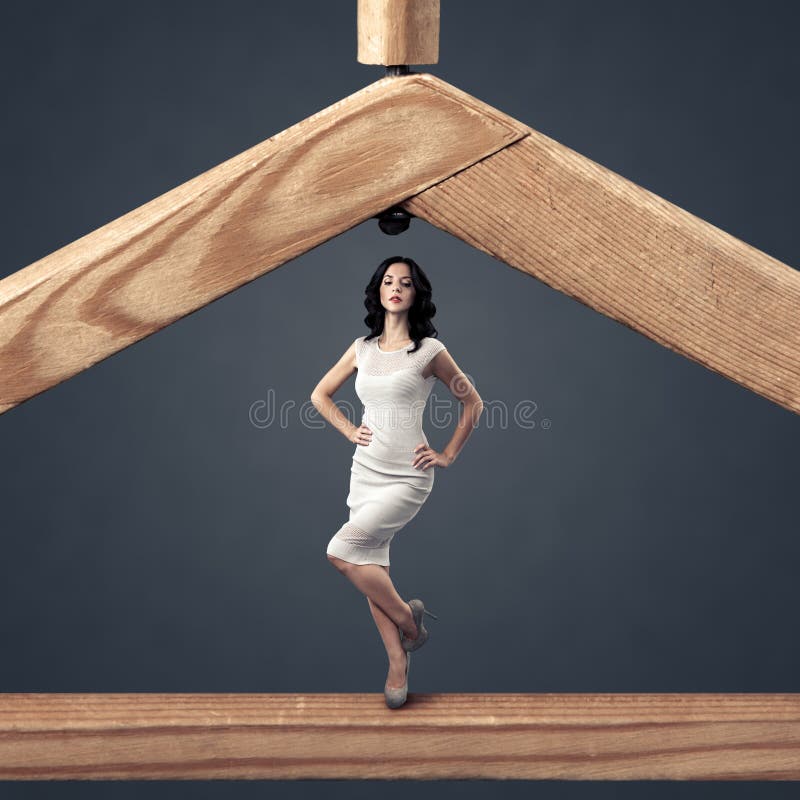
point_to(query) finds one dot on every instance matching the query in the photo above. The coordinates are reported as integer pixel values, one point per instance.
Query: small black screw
(394, 220)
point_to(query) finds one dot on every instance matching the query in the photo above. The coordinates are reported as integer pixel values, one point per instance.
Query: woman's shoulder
(362, 347)
(433, 344)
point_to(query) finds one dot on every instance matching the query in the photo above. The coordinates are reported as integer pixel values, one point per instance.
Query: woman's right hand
(361, 435)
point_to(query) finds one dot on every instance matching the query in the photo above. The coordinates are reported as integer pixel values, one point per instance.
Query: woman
(393, 466)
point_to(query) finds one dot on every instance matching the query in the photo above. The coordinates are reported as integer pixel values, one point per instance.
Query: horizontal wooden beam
(234, 223)
(457, 736)
(586, 231)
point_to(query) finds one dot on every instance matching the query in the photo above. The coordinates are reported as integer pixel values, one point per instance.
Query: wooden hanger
(413, 140)
(444, 156)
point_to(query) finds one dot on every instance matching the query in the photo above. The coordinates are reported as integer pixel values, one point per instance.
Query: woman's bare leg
(389, 611)
(391, 641)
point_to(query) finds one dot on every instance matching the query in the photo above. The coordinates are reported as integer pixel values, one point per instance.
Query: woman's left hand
(428, 457)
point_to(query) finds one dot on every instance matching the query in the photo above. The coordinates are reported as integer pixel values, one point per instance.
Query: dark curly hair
(420, 313)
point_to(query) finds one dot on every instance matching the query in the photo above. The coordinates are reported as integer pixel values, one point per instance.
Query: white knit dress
(386, 490)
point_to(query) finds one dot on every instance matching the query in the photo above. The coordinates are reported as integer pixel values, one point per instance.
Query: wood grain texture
(234, 223)
(398, 31)
(294, 736)
(586, 231)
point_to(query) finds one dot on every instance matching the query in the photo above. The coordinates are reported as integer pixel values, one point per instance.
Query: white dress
(386, 490)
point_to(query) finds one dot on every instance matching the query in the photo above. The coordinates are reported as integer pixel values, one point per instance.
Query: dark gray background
(156, 540)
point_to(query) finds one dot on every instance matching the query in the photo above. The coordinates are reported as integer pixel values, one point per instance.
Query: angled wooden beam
(586, 231)
(234, 223)
(482, 736)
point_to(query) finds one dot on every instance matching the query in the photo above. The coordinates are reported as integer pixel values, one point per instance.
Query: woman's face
(396, 284)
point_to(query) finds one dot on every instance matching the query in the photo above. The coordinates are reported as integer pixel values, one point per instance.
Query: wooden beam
(234, 223)
(558, 216)
(466, 168)
(456, 736)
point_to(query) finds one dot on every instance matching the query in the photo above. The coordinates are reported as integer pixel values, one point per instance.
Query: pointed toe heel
(397, 697)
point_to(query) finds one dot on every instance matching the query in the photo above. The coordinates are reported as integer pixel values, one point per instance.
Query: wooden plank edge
(573, 736)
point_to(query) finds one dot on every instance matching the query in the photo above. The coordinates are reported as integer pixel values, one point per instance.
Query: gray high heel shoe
(418, 610)
(397, 697)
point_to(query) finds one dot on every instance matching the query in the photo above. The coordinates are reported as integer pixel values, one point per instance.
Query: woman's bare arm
(460, 387)
(322, 396)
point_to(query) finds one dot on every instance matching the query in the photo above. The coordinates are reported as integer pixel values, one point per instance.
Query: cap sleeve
(357, 344)
(434, 347)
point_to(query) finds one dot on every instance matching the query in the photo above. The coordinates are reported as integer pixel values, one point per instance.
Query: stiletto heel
(397, 697)
(418, 611)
